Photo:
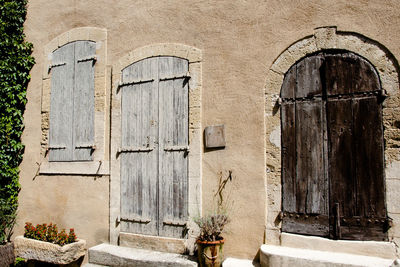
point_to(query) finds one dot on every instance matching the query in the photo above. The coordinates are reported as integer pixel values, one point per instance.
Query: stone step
(232, 262)
(110, 255)
(276, 256)
(94, 265)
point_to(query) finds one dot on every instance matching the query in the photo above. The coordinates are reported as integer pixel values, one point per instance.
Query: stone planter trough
(32, 249)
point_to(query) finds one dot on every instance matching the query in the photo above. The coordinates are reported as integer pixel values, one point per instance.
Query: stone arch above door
(194, 58)
(327, 38)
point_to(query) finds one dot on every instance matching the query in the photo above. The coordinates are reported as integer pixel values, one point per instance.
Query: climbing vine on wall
(15, 63)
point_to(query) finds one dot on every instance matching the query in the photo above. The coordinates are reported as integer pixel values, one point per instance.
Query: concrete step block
(276, 256)
(110, 255)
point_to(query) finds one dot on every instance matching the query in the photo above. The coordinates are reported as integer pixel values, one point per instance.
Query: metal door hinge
(94, 58)
(175, 223)
(56, 147)
(92, 147)
(180, 76)
(176, 148)
(56, 65)
(135, 220)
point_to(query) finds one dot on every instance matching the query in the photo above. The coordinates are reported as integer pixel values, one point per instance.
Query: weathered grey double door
(154, 149)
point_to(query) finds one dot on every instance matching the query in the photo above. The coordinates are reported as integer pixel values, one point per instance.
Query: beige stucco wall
(239, 41)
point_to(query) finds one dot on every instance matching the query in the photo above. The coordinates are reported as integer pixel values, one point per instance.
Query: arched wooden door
(154, 149)
(332, 148)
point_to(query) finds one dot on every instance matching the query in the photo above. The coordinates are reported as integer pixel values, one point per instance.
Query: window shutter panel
(61, 106)
(173, 112)
(139, 151)
(83, 111)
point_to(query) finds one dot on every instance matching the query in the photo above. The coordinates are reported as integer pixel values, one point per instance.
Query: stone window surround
(100, 163)
(194, 56)
(387, 68)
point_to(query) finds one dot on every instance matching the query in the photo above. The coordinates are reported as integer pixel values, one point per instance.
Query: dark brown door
(332, 148)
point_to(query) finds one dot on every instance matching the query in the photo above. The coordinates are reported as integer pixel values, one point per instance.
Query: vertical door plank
(338, 74)
(370, 188)
(341, 158)
(61, 106)
(289, 84)
(308, 77)
(173, 133)
(288, 126)
(83, 101)
(367, 77)
(139, 171)
(310, 169)
(368, 134)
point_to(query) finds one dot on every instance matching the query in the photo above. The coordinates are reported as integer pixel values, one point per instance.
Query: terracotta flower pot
(7, 254)
(210, 253)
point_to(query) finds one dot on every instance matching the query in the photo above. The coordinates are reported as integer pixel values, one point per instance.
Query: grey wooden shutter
(72, 102)
(61, 106)
(173, 169)
(139, 151)
(83, 112)
(332, 149)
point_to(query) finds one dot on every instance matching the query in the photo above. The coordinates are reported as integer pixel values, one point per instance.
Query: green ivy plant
(15, 63)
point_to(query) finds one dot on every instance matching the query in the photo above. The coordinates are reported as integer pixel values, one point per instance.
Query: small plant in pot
(210, 242)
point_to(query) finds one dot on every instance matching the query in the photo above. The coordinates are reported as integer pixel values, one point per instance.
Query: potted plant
(210, 242)
(44, 243)
(7, 222)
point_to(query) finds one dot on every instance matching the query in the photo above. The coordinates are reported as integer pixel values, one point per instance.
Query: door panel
(154, 166)
(173, 143)
(139, 155)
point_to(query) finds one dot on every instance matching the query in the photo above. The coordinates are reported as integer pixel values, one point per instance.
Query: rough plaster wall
(239, 40)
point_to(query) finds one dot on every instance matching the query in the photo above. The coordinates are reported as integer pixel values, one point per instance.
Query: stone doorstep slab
(163, 244)
(111, 255)
(94, 265)
(233, 262)
(378, 249)
(276, 256)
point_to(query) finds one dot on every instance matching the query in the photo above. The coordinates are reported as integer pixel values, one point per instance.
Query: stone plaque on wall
(215, 136)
